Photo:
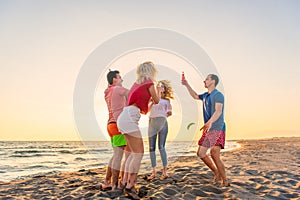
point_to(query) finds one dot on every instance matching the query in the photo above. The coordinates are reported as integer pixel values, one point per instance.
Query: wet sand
(260, 169)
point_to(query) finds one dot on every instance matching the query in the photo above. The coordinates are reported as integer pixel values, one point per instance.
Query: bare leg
(135, 143)
(127, 164)
(116, 164)
(164, 171)
(124, 172)
(215, 154)
(153, 173)
(107, 180)
(201, 152)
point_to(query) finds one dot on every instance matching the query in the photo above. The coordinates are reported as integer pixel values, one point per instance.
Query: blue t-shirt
(209, 101)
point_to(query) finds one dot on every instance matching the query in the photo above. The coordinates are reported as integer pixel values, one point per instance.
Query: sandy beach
(260, 169)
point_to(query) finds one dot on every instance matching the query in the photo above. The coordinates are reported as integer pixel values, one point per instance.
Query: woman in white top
(158, 126)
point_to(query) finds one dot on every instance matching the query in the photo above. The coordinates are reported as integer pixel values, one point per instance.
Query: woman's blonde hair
(145, 71)
(169, 92)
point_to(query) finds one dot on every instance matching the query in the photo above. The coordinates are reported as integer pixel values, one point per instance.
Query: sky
(254, 45)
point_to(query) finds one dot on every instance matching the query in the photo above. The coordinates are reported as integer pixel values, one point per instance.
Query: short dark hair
(111, 75)
(215, 78)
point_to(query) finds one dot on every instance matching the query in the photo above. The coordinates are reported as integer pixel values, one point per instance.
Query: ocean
(26, 159)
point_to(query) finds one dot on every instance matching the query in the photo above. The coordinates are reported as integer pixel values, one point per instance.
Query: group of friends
(125, 107)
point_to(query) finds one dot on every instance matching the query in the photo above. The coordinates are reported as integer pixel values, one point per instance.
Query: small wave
(94, 165)
(33, 155)
(99, 150)
(92, 159)
(230, 146)
(79, 159)
(81, 151)
(6, 167)
(65, 152)
(36, 166)
(46, 173)
(62, 147)
(73, 152)
(57, 163)
(28, 152)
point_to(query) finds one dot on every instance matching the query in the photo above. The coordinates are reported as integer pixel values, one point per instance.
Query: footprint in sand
(291, 195)
(293, 182)
(257, 180)
(252, 172)
(184, 169)
(170, 191)
(199, 193)
(212, 189)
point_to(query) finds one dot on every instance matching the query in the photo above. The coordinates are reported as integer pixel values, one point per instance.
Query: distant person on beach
(158, 126)
(115, 97)
(138, 99)
(213, 135)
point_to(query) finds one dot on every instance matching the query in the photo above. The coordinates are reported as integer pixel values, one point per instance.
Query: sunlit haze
(254, 45)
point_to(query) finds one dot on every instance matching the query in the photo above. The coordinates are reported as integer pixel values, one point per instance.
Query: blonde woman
(158, 126)
(138, 99)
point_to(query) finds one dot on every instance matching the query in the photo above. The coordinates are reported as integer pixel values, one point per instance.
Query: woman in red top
(138, 98)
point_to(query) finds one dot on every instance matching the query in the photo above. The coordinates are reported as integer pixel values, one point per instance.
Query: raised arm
(190, 89)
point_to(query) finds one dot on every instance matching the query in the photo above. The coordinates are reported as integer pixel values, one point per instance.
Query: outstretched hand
(206, 127)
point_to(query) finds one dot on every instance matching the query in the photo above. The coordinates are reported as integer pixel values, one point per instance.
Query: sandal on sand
(131, 192)
(163, 177)
(151, 178)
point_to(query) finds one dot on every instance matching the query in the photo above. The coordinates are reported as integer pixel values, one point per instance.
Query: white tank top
(161, 109)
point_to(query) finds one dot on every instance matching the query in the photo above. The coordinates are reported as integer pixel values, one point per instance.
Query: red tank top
(140, 95)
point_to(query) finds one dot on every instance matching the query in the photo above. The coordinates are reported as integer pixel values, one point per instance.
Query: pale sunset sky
(254, 45)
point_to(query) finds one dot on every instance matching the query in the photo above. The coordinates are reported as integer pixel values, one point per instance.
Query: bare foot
(121, 186)
(164, 176)
(217, 179)
(131, 192)
(114, 188)
(225, 183)
(106, 186)
(152, 175)
(164, 171)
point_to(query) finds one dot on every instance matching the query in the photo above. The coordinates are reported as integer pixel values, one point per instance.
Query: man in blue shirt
(213, 136)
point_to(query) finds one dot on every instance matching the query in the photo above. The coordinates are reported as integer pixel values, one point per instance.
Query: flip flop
(151, 178)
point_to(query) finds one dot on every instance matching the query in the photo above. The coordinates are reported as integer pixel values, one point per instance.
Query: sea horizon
(236, 139)
(22, 159)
